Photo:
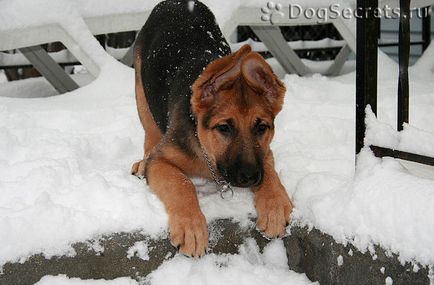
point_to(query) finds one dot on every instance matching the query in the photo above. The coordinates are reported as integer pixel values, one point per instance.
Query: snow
(19, 14)
(340, 260)
(65, 163)
(3, 78)
(37, 87)
(247, 267)
(260, 47)
(139, 249)
(19, 59)
(381, 202)
(388, 280)
(275, 254)
(25, 13)
(190, 5)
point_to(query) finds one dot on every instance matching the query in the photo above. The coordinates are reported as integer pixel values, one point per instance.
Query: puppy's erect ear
(216, 75)
(260, 77)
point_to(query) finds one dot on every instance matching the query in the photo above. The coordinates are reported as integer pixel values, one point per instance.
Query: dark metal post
(403, 89)
(366, 65)
(404, 54)
(426, 27)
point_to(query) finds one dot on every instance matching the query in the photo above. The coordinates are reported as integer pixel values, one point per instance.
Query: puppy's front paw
(273, 210)
(189, 232)
(138, 168)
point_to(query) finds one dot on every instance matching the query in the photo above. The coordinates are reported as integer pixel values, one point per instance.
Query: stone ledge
(311, 252)
(316, 254)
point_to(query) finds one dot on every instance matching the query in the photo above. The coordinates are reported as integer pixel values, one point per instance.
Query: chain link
(223, 186)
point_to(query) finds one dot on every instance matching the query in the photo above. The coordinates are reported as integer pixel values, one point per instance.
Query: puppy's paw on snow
(274, 211)
(189, 233)
(138, 169)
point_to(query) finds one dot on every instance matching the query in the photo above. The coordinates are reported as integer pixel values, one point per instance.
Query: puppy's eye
(261, 129)
(224, 129)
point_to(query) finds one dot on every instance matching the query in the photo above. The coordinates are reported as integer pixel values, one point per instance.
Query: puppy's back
(177, 41)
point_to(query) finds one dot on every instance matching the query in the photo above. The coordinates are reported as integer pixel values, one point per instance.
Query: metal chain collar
(223, 186)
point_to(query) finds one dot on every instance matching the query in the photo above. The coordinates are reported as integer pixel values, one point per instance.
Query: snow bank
(382, 202)
(65, 163)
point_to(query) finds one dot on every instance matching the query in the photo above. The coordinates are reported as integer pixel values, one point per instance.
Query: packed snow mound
(382, 202)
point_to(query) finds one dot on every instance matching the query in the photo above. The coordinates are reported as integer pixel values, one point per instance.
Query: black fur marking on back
(176, 44)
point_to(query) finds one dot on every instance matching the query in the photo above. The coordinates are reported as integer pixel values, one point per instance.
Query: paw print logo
(272, 12)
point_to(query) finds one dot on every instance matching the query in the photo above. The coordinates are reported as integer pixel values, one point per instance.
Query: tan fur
(272, 203)
(187, 224)
(152, 132)
(271, 200)
(230, 106)
(168, 168)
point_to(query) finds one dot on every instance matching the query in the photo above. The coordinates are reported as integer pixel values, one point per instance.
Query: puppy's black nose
(249, 176)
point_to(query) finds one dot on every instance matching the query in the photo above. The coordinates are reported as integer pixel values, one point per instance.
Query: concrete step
(311, 252)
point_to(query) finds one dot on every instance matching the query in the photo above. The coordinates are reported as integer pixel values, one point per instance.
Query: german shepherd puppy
(206, 112)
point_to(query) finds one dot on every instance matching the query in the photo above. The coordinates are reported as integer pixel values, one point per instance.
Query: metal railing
(366, 75)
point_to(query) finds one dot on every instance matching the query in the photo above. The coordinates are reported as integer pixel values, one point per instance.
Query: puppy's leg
(187, 224)
(152, 138)
(138, 168)
(272, 203)
(152, 132)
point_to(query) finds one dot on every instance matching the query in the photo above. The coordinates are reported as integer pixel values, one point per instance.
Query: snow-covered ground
(65, 162)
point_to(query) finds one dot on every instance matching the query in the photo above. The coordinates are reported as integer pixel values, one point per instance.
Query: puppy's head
(235, 101)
